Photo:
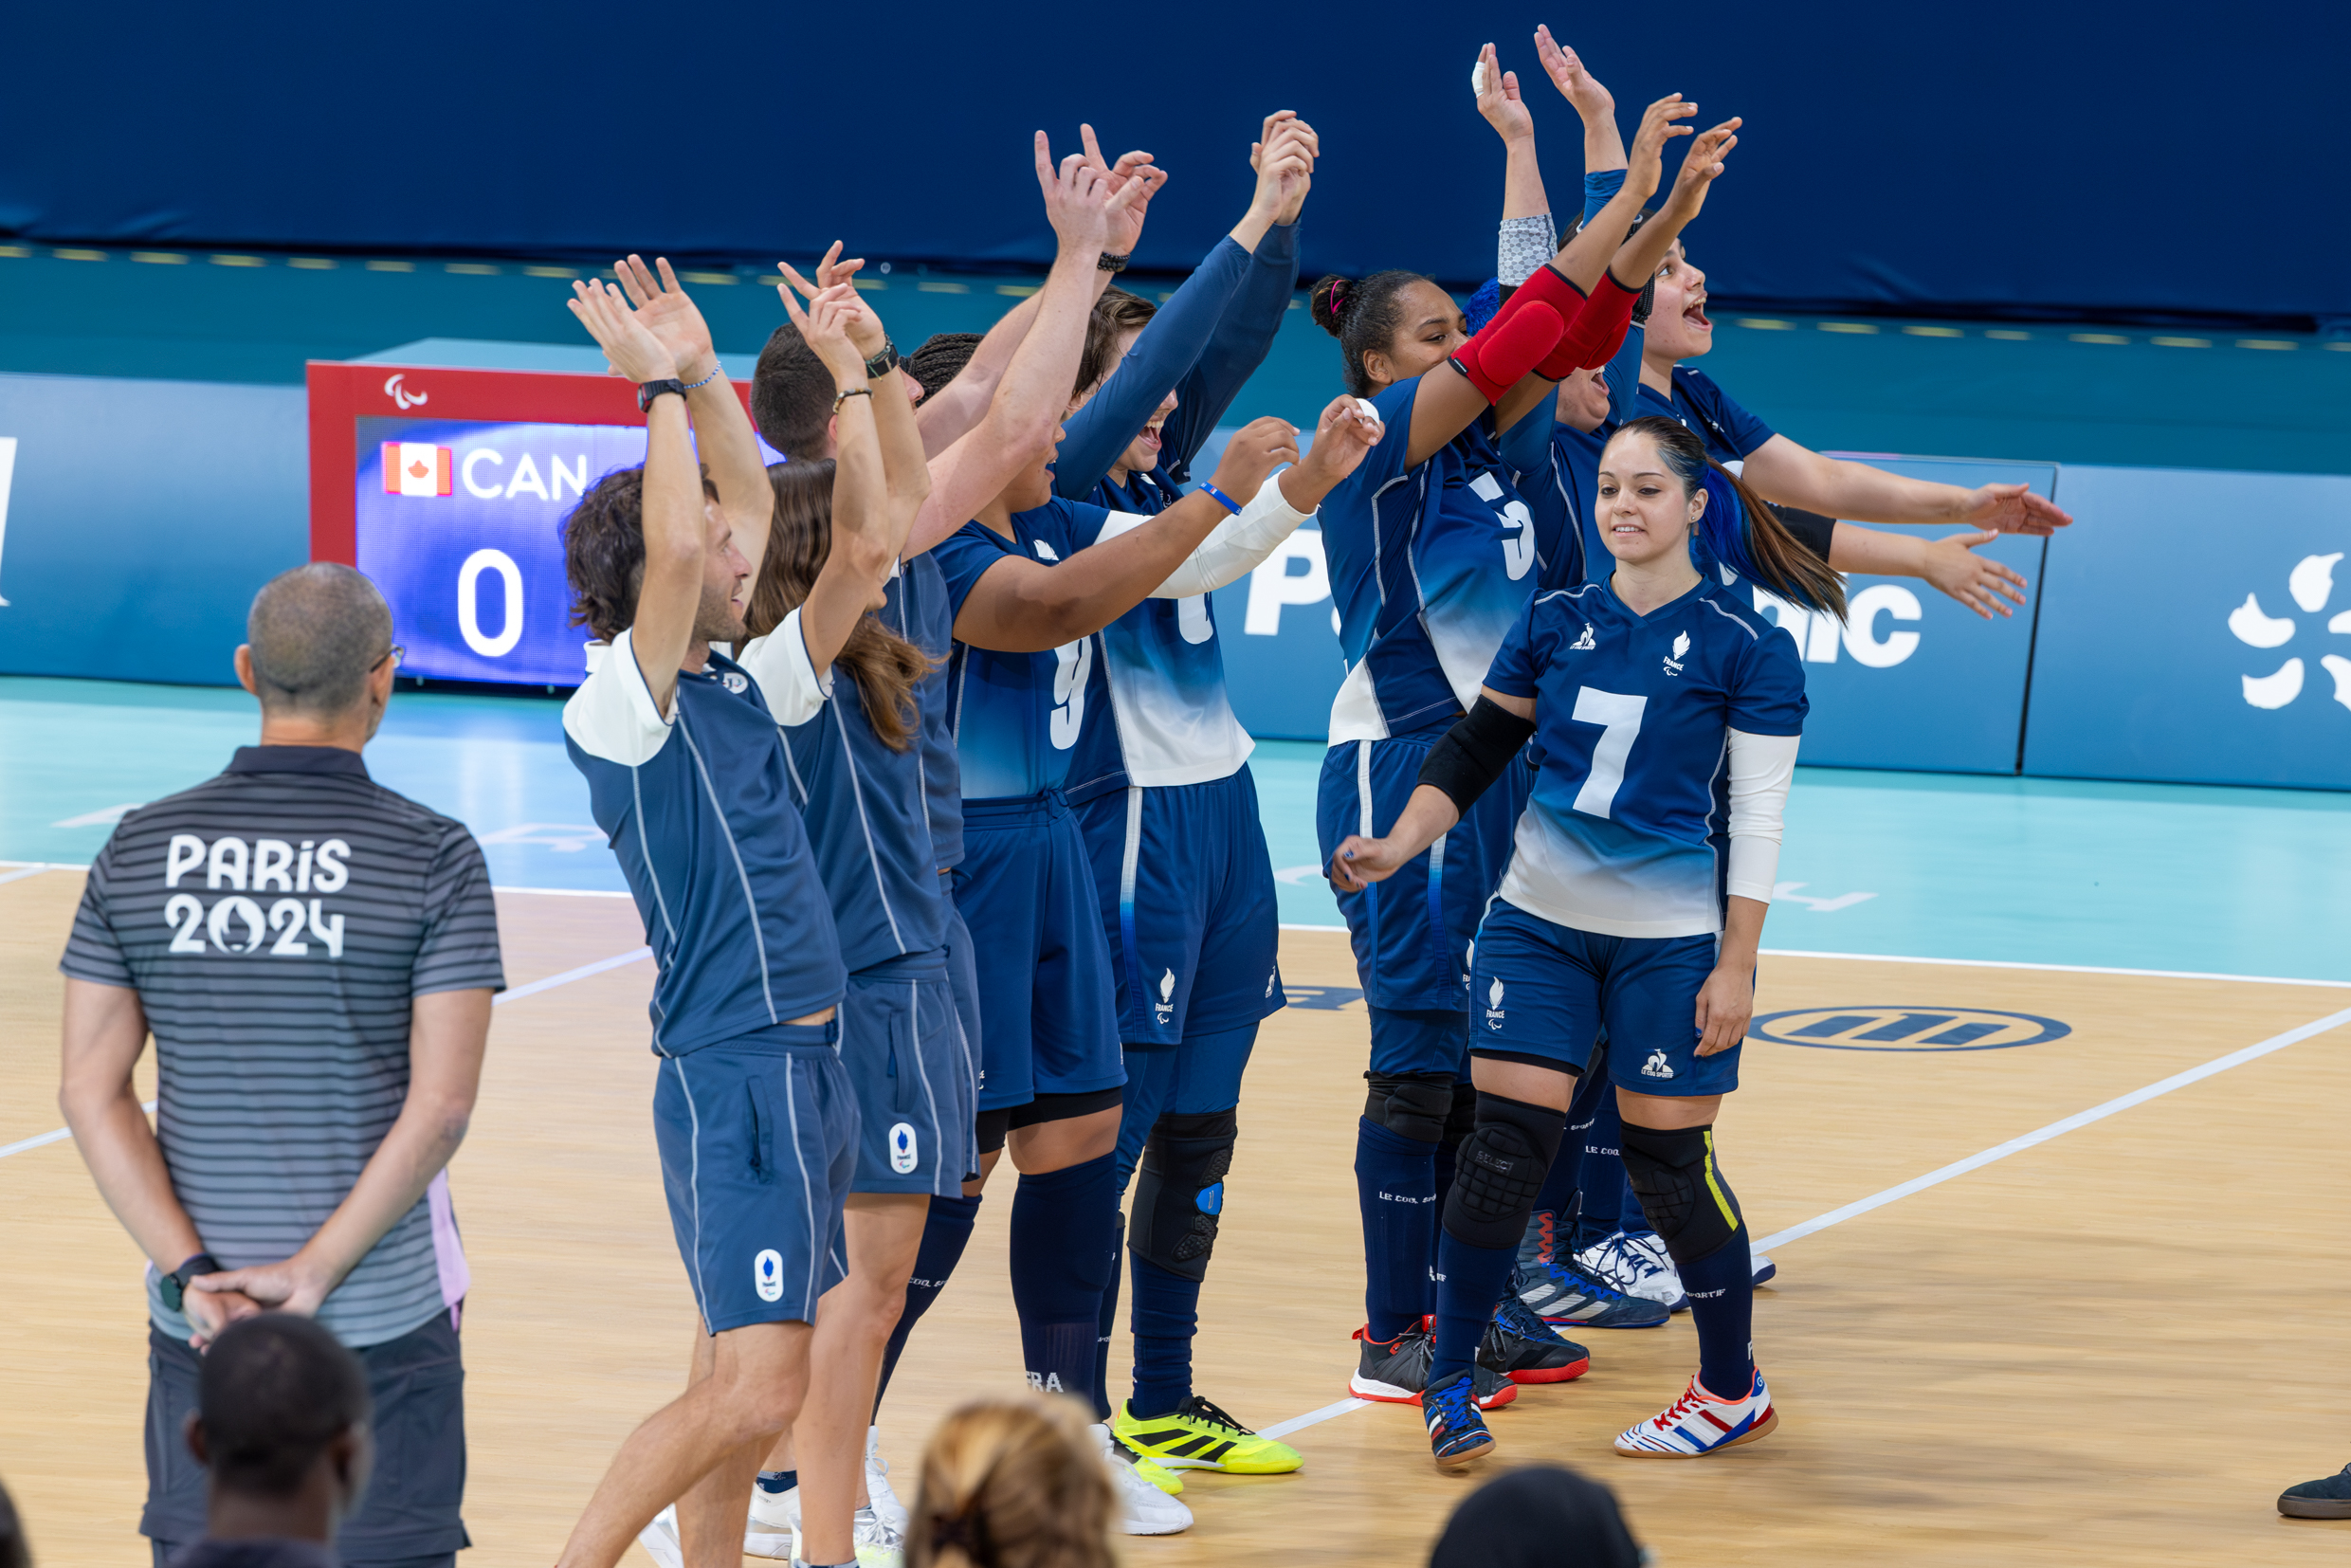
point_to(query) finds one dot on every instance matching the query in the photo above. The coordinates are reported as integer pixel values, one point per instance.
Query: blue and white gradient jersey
(1626, 833)
(700, 812)
(1014, 717)
(1428, 566)
(1731, 433)
(867, 818)
(916, 607)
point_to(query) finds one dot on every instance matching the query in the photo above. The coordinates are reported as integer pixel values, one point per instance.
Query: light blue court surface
(2031, 870)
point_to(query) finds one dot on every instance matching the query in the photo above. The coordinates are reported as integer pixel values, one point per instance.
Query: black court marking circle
(1913, 1028)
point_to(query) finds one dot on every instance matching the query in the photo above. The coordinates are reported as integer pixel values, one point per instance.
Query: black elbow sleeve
(1474, 752)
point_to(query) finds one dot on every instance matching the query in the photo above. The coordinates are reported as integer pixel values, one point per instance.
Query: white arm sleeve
(1762, 766)
(613, 715)
(788, 679)
(1231, 551)
(1524, 245)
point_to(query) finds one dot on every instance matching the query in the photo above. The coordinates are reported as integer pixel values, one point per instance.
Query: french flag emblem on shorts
(414, 468)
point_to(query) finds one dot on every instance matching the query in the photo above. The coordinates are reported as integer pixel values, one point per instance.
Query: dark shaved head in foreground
(316, 653)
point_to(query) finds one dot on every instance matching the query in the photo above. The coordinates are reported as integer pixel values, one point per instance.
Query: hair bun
(1327, 301)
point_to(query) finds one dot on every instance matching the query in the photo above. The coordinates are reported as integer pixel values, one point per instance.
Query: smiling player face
(726, 581)
(1432, 328)
(1644, 513)
(1678, 326)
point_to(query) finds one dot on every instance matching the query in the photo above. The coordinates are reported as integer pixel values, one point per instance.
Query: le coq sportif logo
(2310, 584)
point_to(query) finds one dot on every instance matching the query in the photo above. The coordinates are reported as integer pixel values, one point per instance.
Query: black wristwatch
(884, 363)
(647, 391)
(174, 1286)
(1108, 262)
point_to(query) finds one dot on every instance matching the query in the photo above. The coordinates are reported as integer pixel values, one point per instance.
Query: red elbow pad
(1596, 333)
(1549, 287)
(1500, 356)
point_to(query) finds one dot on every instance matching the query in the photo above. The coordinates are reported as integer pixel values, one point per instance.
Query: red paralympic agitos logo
(416, 468)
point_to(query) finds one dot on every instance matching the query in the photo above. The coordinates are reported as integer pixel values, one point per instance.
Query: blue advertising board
(2198, 628)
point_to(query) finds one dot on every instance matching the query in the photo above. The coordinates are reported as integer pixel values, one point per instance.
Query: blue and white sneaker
(1523, 1348)
(1457, 1432)
(1699, 1424)
(1568, 1297)
(1638, 1265)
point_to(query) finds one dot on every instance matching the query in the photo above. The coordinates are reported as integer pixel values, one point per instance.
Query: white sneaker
(774, 1527)
(1761, 1265)
(878, 1544)
(660, 1539)
(1143, 1510)
(879, 1493)
(1636, 1266)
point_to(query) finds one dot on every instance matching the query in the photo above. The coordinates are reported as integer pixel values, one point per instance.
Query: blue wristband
(1222, 499)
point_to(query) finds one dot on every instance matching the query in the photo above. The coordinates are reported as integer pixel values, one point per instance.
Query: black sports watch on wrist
(174, 1286)
(1108, 262)
(647, 391)
(884, 363)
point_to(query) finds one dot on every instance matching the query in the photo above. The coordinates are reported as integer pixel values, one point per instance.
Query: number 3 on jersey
(1619, 717)
(1072, 663)
(1517, 539)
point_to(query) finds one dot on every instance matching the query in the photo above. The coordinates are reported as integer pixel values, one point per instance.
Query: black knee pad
(1500, 1171)
(1681, 1191)
(1179, 1191)
(1462, 1118)
(1411, 1104)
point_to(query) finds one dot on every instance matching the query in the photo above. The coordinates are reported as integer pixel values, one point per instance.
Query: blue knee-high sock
(946, 1232)
(1109, 1319)
(1722, 1293)
(1447, 1157)
(1395, 1180)
(1167, 1315)
(1610, 1203)
(1057, 1286)
(1471, 1279)
(1554, 1208)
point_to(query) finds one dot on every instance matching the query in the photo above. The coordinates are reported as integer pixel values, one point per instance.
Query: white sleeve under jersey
(1232, 550)
(1763, 767)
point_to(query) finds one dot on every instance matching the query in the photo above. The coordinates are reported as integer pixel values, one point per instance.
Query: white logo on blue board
(1681, 647)
(735, 681)
(1493, 1005)
(1584, 643)
(1656, 1067)
(2311, 583)
(903, 1153)
(767, 1275)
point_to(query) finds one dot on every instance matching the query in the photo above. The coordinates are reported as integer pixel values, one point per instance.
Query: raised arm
(1604, 149)
(952, 411)
(1522, 195)
(1797, 476)
(1020, 605)
(1949, 564)
(723, 439)
(677, 541)
(1023, 417)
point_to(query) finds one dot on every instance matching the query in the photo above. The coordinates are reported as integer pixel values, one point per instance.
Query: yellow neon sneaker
(1201, 1438)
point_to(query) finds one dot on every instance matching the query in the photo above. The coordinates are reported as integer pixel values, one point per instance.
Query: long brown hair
(1013, 1483)
(885, 665)
(1771, 555)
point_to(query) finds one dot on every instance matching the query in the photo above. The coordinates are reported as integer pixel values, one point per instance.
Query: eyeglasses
(397, 654)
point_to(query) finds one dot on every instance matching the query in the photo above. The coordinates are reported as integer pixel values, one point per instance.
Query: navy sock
(778, 1480)
(1057, 1278)
(946, 1230)
(1448, 1155)
(1396, 1181)
(1722, 1293)
(1469, 1281)
(1167, 1315)
(1555, 1206)
(1609, 1202)
(1109, 1320)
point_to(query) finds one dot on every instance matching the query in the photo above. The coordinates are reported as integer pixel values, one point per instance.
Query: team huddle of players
(916, 754)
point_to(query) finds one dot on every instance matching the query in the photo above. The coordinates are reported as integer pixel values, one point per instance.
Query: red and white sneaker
(1699, 1424)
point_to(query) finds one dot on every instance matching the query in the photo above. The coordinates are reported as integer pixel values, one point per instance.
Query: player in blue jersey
(1433, 554)
(753, 1113)
(1669, 716)
(1158, 774)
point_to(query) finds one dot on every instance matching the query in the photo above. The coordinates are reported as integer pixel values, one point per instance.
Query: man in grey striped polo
(315, 956)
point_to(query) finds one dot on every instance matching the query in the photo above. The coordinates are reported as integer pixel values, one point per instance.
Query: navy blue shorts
(1046, 1020)
(409, 1514)
(758, 1144)
(1540, 989)
(917, 1087)
(962, 976)
(1203, 1074)
(1411, 933)
(1187, 897)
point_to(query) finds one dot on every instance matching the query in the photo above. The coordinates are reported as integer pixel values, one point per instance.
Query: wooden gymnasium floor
(2113, 1346)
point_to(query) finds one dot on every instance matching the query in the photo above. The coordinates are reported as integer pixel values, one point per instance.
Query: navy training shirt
(698, 806)
(1731, 433)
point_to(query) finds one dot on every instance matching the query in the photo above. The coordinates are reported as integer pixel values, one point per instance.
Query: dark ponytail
(1363, 315)
(1739, 527)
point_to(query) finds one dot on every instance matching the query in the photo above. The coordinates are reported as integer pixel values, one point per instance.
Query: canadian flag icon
(413, 468)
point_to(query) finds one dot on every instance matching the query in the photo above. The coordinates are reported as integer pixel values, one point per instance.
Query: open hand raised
(1498, 96)
(864, 327)
(665, 311)
(1085, 206)
(1126, 232)
(1700, 167)
(1567, 73)
(629, 344)
(1644, 164)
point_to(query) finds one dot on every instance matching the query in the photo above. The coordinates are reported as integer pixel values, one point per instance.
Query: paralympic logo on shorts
(767, 1274)
(902, 1155)
(1871, 1027)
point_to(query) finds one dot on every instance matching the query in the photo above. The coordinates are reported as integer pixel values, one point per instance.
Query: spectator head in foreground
(1545, 1516)
(1013, 1483)
(318, 654)
(15, 1552)
(281, 1429)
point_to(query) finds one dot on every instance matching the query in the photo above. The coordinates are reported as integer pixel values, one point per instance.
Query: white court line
(1959, 1168)
(618, 961)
